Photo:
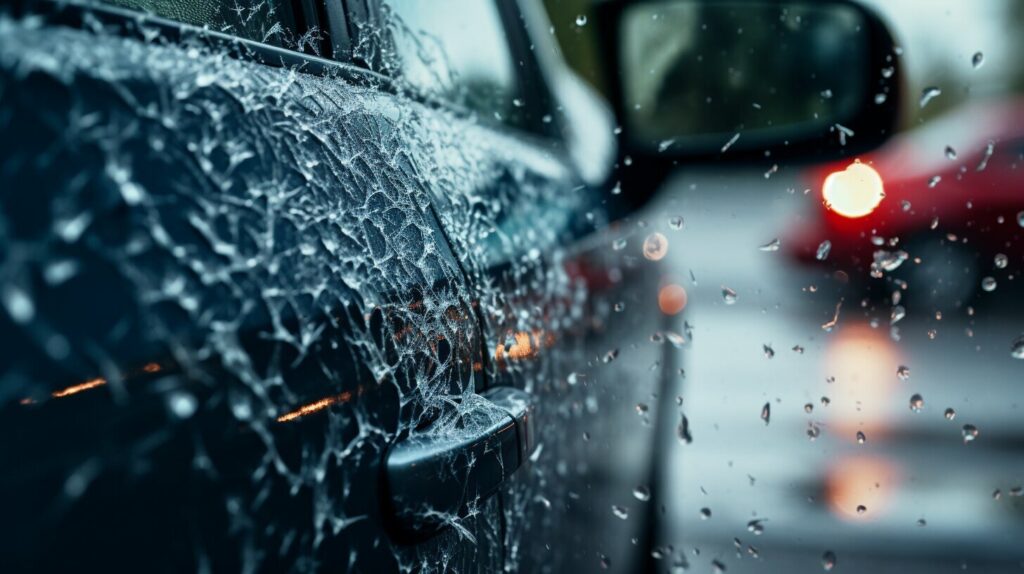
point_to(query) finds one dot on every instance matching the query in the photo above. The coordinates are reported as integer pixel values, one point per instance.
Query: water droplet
(581, 20)
(772, 245)
(888, 72)
(1020, 218)
(683, 430)
(728, 295)
(898, 312)
(922, 522)
(828, 560)
(769, 352)
(823, 249)
(610, 356)
(641, 409)
(903, 372)
(916, 403)
(705, 513)
(970, 433)
(620, 512)
(809, 408)
(861, 437)
(766, 413)
(798, 349)
(950, 152)
(655, 246)
(977, 60)
(675, 339)
(928, 94)
(642, 493)
(813, 431)
(756, 526)
(988, 284)
(717, 567)
(573, 378)
(825, 401)
(950, 414)
(675, 223)
(18, 304)
(619, 307)
(619, 244)
(182, 404)
(861, 509)
(1017, 348)
(1001, 260)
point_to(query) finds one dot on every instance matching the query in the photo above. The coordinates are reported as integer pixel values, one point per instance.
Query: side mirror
(745, 80)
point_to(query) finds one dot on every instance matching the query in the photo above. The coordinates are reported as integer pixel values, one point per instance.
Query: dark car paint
(399, 230)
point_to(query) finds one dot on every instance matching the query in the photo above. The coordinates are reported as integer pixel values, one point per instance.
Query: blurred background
(853, 386)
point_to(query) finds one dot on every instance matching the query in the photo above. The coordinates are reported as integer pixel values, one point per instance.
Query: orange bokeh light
(672, 299)
(860, 488)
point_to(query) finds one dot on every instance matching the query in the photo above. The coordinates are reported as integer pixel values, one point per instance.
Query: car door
(520, 188)
(228, 303)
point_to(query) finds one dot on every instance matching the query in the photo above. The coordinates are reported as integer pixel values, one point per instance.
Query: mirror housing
(744, 81)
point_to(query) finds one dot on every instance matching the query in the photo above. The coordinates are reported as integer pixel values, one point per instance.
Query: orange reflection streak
(860, 481)
(75, 389)
(672, 299)
(315, 406)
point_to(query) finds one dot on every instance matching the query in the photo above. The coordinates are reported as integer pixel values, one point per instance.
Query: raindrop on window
(823, 249)
(675, 223)
(950, 414)
(756, 526)
(620, 512)
(903, 372)
(1001, 260)
(861, 437)
(988, 284)
(970, 433)
(772, 245)
(581, 20)
(928, 94)
(766, 413)
(729, 296)
(705, 513)
(950, 152)
(916, 403)
(828, 560)
(978, 60)
(1017, 348)
(655, 246)
(642, 493)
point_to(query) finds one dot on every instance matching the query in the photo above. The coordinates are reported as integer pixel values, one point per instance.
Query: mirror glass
(697, 73)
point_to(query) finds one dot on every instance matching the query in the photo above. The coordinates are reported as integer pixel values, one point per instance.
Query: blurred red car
(953, 208)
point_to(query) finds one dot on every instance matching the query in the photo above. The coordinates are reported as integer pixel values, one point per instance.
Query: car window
(267, 21)
(458, 51)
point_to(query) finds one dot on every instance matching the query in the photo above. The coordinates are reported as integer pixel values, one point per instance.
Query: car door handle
(438, 474)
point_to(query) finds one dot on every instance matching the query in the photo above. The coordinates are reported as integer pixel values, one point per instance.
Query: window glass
(265, 21)
(456, 50)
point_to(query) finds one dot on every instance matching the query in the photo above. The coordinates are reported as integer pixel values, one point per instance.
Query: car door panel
(237, 270)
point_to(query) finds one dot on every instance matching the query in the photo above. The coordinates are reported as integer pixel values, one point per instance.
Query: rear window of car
(264, 21)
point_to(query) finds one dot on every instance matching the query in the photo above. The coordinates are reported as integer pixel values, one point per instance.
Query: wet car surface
(375, 286)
